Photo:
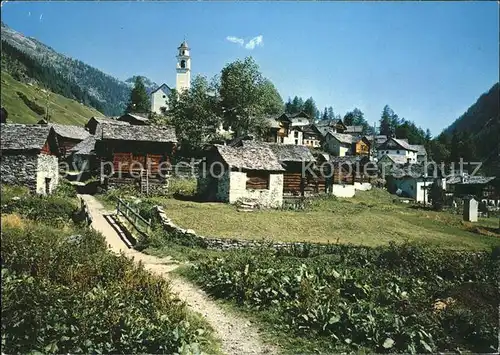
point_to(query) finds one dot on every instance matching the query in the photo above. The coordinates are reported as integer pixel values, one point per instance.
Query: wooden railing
(133, 217)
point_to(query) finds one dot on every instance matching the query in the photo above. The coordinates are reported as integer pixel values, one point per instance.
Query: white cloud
(29, 13)
(251, 44)
(237, 40)
(254, 42)
(41, 16)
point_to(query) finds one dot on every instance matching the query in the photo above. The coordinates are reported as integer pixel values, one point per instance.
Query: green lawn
(61, 109)
(370, 218)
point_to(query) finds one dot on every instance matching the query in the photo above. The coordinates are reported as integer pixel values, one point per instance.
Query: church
(159, 97)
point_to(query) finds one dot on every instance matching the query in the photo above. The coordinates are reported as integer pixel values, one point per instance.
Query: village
(327, 235)
(297, 156)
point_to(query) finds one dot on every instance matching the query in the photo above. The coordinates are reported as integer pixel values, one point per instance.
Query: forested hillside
(475, 134)
(29, 60)
(29, 103)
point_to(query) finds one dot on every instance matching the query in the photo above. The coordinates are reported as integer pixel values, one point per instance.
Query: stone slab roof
(107, 120)
(249, 157)
(23, 137)
(71, 132)
(396, 159)
(469, 180)
(162, 134)
(85, 147)
(420, 149)
(285, 152)
(400, 142)
(354, 129)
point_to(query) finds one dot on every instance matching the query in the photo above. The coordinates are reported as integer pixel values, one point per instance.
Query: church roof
(161, 87)
(183, 44)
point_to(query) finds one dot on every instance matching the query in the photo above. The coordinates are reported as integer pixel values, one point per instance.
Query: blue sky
(428, 60)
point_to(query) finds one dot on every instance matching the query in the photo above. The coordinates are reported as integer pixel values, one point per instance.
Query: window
(183, 64)
(281, 140)
(257, 180)
(296, 134)
(296, 142)
(397, 151)
(183, 52)
(164, 96)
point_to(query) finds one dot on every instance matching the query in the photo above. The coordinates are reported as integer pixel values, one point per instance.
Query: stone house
(29, 157)
(93, 122)
(231, 174)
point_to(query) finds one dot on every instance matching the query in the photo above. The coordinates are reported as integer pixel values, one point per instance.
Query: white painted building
(398, 147)
(159, 97)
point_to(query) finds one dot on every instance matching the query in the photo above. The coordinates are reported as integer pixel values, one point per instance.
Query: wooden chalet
(68, 136)
(136, 119)
(311, 136)
(93, 122)
(295, 159)
(279, 128)
(336, 126)
(29, 157)
(345, 170)
(139, 154)
(341, 144)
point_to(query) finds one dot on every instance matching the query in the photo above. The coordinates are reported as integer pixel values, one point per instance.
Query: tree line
(240, 97)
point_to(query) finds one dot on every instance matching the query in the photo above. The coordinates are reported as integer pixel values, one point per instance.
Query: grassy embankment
(371, 218)
(62, 110)
(63, 291)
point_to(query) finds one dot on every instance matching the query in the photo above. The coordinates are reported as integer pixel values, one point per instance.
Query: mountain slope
(61, 109)
(27, 59)
(482, 123)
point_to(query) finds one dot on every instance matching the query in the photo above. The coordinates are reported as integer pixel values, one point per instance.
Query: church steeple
(183, 80)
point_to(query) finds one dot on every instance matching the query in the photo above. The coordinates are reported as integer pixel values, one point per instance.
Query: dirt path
(236, 334)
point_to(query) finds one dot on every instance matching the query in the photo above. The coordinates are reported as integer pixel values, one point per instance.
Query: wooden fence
(133, 217)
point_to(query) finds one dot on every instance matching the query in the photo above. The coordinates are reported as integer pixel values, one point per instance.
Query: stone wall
(19, 170)
(362, 186)
(47, 168)
(272, 197)
(189, 237)
(343, 190)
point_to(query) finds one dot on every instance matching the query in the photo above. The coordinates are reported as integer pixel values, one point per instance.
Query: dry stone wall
(19, 170)
(189, 237)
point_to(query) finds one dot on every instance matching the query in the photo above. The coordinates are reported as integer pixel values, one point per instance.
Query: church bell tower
(183, 80)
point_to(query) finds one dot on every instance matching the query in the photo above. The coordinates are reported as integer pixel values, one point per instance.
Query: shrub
(379, 299)
(50, 209)
(40, 110)
(66, 293)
